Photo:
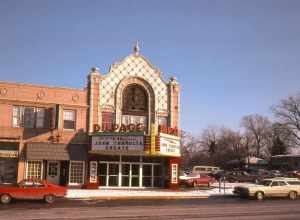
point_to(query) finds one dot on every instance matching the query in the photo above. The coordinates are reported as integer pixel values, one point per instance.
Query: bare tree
(288, 114)
(209, 139)
(259, 129)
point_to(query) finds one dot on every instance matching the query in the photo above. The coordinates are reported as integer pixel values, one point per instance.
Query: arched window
(135, 105)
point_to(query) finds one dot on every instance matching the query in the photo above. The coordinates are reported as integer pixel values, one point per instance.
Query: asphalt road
(213, 208)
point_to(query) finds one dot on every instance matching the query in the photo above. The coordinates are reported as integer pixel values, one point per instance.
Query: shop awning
(55, 151)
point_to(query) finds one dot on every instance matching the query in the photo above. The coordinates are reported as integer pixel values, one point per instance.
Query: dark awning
(54, 151)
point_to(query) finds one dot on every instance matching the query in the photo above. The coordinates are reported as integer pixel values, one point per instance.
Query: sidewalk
(117, 194)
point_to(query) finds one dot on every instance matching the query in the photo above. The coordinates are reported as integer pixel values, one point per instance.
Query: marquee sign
(168, 130)
(118, 142)
(120, 128)
(169, 145)
(9, 153)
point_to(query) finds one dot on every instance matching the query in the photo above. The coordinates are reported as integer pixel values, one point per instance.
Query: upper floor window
(134, 119)
(28, 117)
(135, 106)
(135, 100)
(69, 119)
(162, 121)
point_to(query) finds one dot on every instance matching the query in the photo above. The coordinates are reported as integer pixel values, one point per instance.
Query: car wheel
(49, 198)
(293, 195)
(259, 196)
(5, 198)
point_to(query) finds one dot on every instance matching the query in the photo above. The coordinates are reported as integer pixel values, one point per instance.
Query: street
(212, 208)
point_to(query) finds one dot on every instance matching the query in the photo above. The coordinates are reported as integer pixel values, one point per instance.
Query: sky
(231, 57)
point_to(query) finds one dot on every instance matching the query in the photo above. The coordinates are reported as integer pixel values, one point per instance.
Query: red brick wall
(5, 115)
(41, 96)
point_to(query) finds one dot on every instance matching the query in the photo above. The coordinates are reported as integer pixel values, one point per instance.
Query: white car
(275, 187)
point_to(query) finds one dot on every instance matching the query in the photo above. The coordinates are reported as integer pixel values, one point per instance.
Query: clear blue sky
(231, 58)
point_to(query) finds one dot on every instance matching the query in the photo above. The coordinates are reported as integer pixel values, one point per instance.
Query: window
(76, 172)
(294, 182)
(28, 117)
(34, 169)
(69, 119)
(133, 119)
(108, 119)
(275, 183)
(135, 106)
(40, 117)
(162, 121)
(281, 183)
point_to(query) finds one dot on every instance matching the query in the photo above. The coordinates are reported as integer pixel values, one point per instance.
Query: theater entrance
(130, 174)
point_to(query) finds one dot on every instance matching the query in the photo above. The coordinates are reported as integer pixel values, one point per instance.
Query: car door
(26, 190)
(41, 189)
(275, 189)
(284, 188)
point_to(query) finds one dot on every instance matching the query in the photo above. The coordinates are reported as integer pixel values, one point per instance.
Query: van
(205, 169)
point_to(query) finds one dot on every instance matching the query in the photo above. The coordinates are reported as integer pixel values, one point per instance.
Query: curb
(139, 198)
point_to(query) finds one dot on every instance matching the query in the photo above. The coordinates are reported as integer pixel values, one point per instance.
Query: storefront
(125, 159)
(9, 154)
(58, 163)
(130, 171)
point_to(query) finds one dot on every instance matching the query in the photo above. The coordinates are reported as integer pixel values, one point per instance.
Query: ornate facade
(133, 104)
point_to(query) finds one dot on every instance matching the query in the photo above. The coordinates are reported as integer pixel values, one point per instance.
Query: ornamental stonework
(138, 67)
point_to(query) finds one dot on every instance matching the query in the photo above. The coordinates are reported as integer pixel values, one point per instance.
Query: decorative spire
(136, 48)
(95, 71)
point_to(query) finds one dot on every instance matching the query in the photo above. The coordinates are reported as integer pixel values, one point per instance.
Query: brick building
(122, 131)
(42, 133)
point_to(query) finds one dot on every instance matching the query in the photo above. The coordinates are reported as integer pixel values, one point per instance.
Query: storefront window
(76, 172)
(8, 170)
(34, 169)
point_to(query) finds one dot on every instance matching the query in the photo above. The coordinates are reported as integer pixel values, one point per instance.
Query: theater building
(122, 130)
(43, 133)
(134, 126)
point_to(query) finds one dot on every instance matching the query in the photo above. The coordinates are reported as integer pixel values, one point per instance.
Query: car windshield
(266, 182)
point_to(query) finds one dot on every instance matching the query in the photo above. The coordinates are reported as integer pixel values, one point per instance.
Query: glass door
(125, 175)
(147, 175)
(103, 173)
(135, 171)
(113, 174)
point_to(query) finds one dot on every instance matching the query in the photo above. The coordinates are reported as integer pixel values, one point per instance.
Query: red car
(197, 180)
(31, 189)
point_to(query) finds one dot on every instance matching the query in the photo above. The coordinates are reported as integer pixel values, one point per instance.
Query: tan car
(275, 187)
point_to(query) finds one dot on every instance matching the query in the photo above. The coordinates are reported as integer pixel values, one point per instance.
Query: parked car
(204, 169)
(276, 173)
(264, 174)
(194, 180)
(241, 176)
(31, 189)
(275, 187)
(293, 174)
(218, 174)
